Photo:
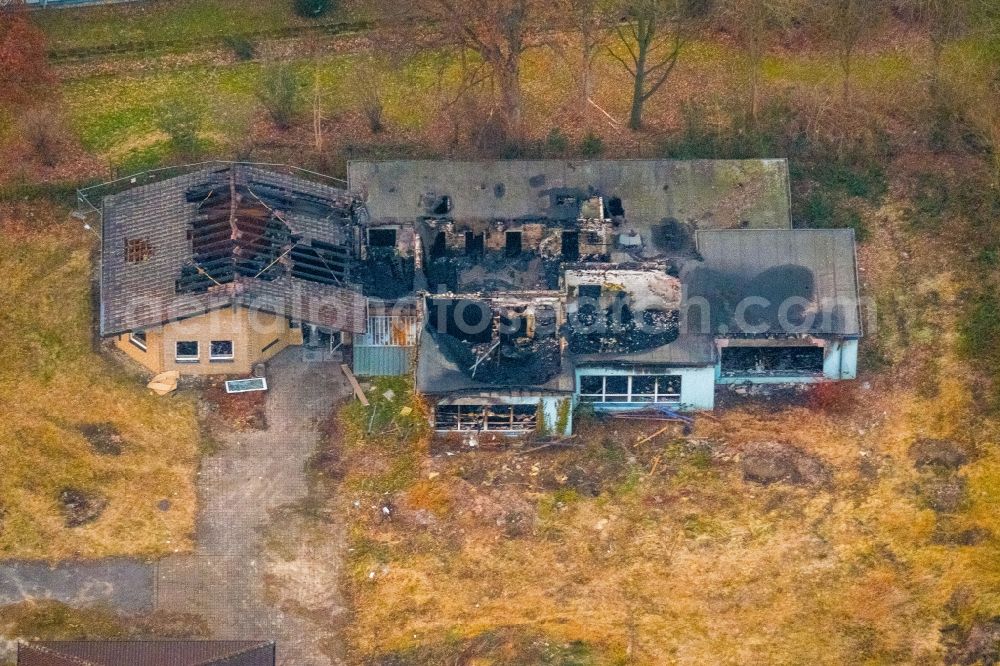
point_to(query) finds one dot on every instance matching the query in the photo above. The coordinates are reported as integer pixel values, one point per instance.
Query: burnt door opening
(571, 245)
(513, 243)
(772, 361)
(615, 208)
(382, 237)
(474, 244)
(439, 248)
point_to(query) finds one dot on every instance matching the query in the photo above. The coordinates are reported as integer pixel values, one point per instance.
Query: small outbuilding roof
(147, 653)
(774, 283)
(223, 235)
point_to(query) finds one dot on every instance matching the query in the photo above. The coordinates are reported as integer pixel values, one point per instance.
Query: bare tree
(589, 20)
(941, 22)
(653, 37)
(24, 67)
(498, 31)
(846, 24)
(753, 23)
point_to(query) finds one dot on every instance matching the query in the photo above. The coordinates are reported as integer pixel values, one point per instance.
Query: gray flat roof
(812, 271)
(707, 193)
(686, 351)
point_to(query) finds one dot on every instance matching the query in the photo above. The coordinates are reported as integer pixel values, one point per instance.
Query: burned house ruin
(619, 283)
(512, 290)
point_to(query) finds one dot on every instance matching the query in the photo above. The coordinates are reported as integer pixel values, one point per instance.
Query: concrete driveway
(232, 579)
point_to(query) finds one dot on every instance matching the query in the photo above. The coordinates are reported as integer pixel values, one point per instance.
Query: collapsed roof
(229, 234)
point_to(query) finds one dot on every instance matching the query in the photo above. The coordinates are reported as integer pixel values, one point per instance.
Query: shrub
(279, 93)
(823, 210)
(41, 129)
(180, 123)
(241, 46)
(373, 108)
(562, 416)
(556, 142)
(542, 425)
(312, 8)
(591, 145)
(24, 68)
(979, 337)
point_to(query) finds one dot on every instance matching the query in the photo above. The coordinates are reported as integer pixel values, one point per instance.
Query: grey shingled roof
(147, 653)
(141, 295)
(707, 193)
(817, 265)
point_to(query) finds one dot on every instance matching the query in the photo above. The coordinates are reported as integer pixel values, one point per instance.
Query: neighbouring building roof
(147, 653)
(812, 271)
(709, 194)
(223, 235)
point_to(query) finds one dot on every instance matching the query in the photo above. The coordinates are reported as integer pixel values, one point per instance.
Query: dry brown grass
(662, 553)
(52, 383)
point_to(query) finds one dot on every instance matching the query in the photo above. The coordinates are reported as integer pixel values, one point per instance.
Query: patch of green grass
(52, 620)
(187, 21)
(55, 621)
(979, 336)
(512, 646)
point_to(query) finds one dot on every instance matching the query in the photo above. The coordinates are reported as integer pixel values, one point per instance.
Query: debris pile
(618, 329)
(773, 462)
(104, 438)
(384, 273)
(773, 361)
(80, 507)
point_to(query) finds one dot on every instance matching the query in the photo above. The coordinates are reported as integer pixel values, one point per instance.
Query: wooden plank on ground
(354, 384)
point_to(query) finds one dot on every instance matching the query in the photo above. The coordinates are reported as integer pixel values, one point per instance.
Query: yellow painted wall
(250, 331)
(152, 358)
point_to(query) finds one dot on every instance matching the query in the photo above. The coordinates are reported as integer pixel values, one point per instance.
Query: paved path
(121, 582)
(242, 491)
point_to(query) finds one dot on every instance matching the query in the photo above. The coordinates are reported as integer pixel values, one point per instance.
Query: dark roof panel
(812, 273)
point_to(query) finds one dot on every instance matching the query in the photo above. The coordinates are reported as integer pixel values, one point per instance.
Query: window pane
(670, 384)
(222, 349)
(187, 349)
(644, 385)
(617, 384)
(591, 384)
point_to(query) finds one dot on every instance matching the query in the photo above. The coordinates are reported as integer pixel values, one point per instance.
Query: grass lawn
(73, 420)
(116, 115)
(186, 21)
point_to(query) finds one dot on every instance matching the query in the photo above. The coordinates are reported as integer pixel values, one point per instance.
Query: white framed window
(186, 351)
(630, 388)
(220, 350)
(138, 338)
